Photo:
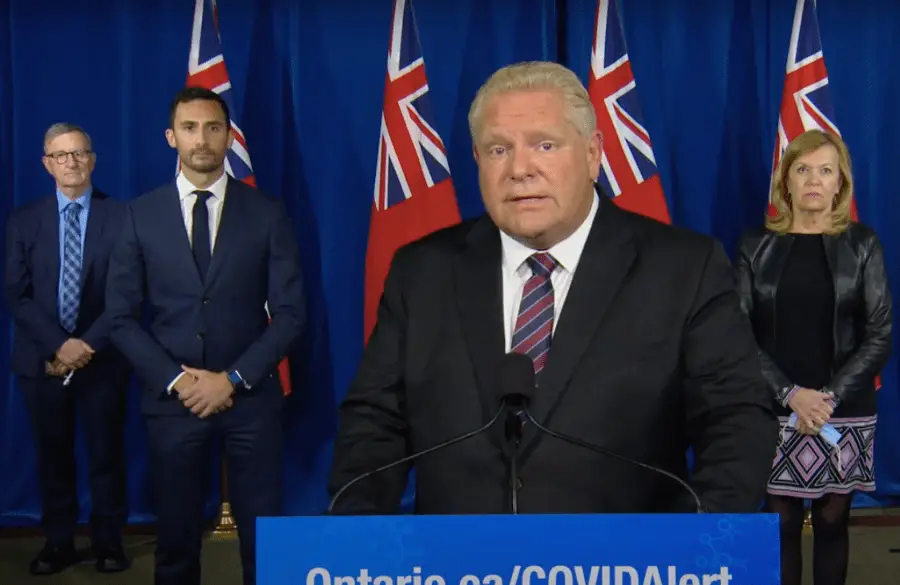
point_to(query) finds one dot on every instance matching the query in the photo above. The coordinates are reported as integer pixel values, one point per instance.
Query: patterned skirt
(808, 467)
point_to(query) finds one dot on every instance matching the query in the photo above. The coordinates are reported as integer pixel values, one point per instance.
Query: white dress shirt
(516, 271)
(214, 204)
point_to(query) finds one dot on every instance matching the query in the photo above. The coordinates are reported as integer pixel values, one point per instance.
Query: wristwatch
(235, 378)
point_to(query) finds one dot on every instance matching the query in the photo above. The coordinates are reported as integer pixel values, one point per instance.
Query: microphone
(411, 457)
(518, 369)
(515, 386)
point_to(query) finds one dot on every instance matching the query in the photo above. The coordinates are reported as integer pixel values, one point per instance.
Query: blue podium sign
(686, 549)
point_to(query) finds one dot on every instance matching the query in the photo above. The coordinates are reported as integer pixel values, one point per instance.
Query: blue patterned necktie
(71, 268)
(534, 324)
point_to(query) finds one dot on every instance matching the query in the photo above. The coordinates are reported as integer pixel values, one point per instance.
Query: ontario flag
(414, 192)
(805, 102)
(628, 169)
(206, 68)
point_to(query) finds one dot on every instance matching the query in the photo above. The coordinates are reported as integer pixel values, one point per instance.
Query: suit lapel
(51, 221)
(479, 296)
(95, 224)
(602, 268)
(832, 245)
(229, 227)
(838, 264)
(770, 272)
(173, 230)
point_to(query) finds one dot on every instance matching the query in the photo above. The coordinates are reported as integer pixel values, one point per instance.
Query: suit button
(205, 301)
(518, 483)
(200, 335)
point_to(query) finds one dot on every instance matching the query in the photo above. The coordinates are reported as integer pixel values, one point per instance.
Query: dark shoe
(55, 559)
(111, 560)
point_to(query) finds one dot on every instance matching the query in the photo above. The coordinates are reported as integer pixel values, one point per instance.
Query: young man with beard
(207, 252)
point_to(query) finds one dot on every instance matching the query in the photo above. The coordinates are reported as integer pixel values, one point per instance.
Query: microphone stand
(409, 458)
(602, 451)
(514, 434)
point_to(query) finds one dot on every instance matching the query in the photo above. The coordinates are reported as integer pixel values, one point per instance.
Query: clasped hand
(205, 393)
(813, 408)
(74, 354)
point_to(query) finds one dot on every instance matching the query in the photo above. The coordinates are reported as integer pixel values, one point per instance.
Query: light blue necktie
(71, 268)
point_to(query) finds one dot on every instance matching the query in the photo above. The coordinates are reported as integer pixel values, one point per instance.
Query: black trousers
(100, 401)
(180, 453)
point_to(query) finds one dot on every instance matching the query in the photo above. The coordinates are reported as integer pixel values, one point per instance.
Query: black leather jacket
(862, 322)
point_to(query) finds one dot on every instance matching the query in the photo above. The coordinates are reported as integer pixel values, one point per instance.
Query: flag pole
(226, 527)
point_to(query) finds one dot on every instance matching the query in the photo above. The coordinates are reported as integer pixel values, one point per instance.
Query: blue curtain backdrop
(309, 79)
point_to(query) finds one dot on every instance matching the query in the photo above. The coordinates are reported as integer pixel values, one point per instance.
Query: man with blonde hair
(633, 327)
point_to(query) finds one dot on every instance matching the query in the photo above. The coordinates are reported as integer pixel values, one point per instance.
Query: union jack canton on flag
(806, 102)
(628, 166)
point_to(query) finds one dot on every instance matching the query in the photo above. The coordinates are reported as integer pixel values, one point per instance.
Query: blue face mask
(828, 432)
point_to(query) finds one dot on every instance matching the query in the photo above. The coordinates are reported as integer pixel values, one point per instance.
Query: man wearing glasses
(57, 253)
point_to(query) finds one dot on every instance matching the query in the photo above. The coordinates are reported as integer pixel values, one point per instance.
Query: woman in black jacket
(813, 284)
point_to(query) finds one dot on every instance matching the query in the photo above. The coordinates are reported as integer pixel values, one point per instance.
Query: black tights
(831, 540)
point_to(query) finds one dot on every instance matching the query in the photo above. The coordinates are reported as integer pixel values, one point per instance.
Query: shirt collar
(567, 252)
(62, 201)
(186, 188)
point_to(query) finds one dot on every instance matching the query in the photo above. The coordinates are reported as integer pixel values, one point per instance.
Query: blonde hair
(807, 142)
(537, 75)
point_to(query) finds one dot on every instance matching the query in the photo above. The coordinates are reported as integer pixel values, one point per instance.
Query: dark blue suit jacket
(31, 282)
(219, 322)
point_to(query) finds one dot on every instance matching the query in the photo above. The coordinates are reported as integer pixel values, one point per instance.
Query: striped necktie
(534, 325)
(70, 282)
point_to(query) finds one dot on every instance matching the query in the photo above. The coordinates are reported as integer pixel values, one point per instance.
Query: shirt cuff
(835, 401)
(173, 382)
(790, 394)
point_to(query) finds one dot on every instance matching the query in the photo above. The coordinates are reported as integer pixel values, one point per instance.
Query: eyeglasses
(61, 157)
